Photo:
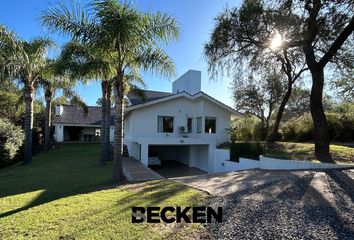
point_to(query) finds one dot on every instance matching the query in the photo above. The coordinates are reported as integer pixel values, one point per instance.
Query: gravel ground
(285, 216)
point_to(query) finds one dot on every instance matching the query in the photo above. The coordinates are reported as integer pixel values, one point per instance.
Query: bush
(340, 128)
(298, 129)
(246, 128)
(246, 149)
(11, 139)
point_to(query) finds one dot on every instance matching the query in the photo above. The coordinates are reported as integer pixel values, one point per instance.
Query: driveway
(280, 204)
(226, 183)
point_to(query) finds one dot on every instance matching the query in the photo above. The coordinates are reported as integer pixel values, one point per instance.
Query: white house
(185, 125)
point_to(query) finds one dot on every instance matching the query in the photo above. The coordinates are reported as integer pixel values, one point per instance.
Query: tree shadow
(62, 172)
(344, 181)
(279, 210)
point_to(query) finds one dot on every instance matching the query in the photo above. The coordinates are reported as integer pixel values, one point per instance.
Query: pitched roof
(75, 115)
(147, 96)
(200, 94)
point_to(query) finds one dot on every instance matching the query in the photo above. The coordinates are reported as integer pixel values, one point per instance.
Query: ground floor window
(165, 124)
(210, 124)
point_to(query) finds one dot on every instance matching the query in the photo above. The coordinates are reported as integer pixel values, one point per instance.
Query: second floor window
(165, 124)
(199, 124)
(190, 125)
(210, 124)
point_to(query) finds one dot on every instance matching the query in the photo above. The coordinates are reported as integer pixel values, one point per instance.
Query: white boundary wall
(222, 163)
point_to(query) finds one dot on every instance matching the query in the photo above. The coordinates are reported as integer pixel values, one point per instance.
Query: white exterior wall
(59, 133)
(144, 119)
(142, 122)
(134, 150)
(223, 121)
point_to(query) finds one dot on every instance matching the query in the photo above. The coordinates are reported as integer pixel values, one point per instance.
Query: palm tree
(24, 61)
(53, 78)
(130, 38)
(92, 62)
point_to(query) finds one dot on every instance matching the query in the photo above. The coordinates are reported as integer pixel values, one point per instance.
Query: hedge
(250, 150)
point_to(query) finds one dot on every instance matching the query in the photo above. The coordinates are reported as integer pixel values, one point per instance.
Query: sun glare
(276, 42)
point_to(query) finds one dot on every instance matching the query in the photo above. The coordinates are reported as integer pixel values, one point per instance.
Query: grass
(65, 194)
(305, 151)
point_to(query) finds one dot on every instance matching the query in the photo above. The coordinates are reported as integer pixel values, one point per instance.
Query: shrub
(246, 128)
(298, 129)
(245, 149)
(11, 139)
(340, 128)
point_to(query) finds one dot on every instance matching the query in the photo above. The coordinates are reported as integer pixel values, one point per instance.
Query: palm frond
(161, 27)
(73, 21)
(155, 60)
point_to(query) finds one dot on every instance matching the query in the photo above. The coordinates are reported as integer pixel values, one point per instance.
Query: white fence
(222, 163)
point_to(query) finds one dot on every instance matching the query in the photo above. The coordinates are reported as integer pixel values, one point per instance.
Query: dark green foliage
(246, 128)
(298, 129)
(340, 126)
(245, 149)
(11, 139)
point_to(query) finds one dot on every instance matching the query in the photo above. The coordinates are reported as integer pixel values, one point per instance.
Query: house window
(199, 124)
(165, 124)
(190, 125)
(210, 124)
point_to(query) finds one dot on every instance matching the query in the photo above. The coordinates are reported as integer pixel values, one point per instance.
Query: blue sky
(196, 21)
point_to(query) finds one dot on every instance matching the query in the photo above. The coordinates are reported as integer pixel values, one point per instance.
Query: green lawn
(305, 151)
(65, 194)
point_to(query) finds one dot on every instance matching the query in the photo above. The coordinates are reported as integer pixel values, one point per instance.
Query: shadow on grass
(157, 192)
(62, 172)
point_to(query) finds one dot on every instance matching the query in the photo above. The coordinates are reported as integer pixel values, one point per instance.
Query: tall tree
(259, 96)
(25, 61)
(93, 62)
(54, 78)
(323, 37)
(251, 36)
(130, 37)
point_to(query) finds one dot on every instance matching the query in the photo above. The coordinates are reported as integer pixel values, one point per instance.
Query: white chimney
(189, 82)
(59, 110)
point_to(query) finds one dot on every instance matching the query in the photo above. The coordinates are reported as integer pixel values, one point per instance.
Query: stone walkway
(136, 171)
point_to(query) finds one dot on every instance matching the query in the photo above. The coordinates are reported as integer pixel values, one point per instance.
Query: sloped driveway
(226, 183)
(280, 204)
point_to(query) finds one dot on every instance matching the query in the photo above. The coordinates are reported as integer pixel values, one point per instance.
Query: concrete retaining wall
(223, 164)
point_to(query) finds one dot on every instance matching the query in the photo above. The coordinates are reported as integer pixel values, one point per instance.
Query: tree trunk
(108, 120)
(274, 135)
(118, 134)
(48, 118)
(29, 96)
(319, 117)
(103, 124)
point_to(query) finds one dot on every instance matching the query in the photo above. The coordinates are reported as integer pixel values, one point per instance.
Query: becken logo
(156, 214)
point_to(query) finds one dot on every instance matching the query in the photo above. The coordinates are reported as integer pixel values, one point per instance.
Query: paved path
(136, 171)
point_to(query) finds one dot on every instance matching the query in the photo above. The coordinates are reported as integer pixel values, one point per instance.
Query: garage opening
(174, 161)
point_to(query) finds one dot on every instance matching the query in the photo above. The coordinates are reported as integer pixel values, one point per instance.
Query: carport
(176, 160)
(179, 156)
